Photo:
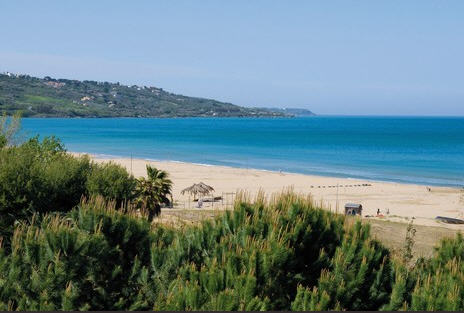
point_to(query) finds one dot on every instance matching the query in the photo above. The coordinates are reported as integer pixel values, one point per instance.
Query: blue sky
(333, 57)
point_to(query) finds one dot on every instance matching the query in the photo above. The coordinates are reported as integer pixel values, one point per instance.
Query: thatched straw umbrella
(201, 189)
(198, 189)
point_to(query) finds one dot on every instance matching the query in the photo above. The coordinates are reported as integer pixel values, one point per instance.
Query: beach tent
(353, 209)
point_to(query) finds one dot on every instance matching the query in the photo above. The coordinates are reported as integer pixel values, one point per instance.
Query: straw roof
(200, 189)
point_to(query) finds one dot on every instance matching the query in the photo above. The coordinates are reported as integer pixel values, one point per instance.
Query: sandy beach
(396, 202)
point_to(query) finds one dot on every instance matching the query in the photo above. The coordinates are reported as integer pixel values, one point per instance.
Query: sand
(403, 201)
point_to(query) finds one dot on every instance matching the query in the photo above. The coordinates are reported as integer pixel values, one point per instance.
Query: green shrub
(435, 284)
(38, 177)
(277, 255)
(111, 181)
(92, 259)
(358, 277)
(9, 128)
(250, 259)
(97, 258)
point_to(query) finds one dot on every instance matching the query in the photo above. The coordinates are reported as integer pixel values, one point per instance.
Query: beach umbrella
(198, 189)
(207, 188)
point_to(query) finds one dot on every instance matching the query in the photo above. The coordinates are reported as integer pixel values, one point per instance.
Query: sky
(332, 57)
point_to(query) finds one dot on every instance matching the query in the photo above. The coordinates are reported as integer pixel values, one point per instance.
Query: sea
(420, 150)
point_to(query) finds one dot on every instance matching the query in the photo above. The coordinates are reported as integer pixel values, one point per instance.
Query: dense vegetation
(75, 236)
(38, 177)
(50, 97)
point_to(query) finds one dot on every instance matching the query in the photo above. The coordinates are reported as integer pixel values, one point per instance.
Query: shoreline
(393, 181)
(402, 201)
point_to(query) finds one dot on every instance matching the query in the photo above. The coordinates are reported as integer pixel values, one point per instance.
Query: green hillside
(48, 97)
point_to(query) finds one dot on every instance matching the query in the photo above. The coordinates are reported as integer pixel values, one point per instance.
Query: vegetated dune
(281, 253)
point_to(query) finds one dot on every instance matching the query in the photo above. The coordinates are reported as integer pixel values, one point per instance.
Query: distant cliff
(48, 97)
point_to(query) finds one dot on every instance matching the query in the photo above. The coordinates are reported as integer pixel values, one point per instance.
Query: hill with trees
(49, 97)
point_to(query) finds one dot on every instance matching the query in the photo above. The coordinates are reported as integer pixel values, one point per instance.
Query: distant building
(353, 209)
(54, 84)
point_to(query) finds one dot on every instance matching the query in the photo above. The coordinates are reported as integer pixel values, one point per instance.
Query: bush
(38, 177)
(358, 277)
(111, 181)
(435, 284)
(97, 258)
(9, 127)
(91, 259)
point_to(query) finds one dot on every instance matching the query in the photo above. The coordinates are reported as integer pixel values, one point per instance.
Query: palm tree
(153, 191)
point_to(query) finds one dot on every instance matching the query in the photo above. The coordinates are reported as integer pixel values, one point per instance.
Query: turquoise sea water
(424, 150)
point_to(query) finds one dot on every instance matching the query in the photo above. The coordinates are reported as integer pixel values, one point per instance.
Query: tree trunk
(151, 215)
(155, 211)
